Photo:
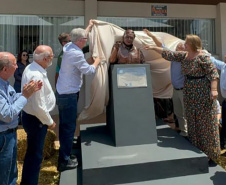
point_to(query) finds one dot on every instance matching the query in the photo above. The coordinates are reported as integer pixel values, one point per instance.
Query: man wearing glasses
(36, 116)
(11, 103)
(64, 38)
(69, 82)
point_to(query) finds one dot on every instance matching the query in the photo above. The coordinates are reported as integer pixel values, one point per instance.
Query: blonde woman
(200, 93)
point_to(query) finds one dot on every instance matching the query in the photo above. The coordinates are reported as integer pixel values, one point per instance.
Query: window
(26, 32)
(204, 28)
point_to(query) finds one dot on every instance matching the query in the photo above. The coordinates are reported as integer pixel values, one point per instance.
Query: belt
(11, 130)
(179, 89)
(195, 77)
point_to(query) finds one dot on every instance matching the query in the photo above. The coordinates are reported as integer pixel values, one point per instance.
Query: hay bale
(49, 147)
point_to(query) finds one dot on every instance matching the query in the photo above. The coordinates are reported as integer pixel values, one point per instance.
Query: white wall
(42, 7)
(122, 9)
(221, 30)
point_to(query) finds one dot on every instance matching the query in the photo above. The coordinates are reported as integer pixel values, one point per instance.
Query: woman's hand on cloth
(148, 32)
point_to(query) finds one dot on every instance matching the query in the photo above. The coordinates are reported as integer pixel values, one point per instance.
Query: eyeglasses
(25, 55)
(128, 37)
(85, 38)
(51, 56)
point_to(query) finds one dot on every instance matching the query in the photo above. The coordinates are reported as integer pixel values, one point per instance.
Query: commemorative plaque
(131, 77)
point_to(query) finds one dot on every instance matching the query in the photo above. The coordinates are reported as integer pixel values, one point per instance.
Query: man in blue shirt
(69, 82)
(222, 67)
(11, 103)
(177, 79)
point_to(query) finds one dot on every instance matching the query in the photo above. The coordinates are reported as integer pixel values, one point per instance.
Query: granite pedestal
(130, 111)
(104, 164)
(126, 149)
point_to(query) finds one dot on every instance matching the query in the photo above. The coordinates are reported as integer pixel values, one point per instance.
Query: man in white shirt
(36, 117)
(68, 86)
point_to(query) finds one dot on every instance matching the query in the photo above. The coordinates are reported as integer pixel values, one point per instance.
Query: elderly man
(68, 86)
(36, 117)
(222, 67)
(11, 103)
(177, 79)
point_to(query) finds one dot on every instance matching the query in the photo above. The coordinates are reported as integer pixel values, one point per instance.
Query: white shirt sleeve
(39, 107)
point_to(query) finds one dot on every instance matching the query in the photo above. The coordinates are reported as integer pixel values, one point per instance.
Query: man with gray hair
(11, 103)
(36, 117)
(73, 66)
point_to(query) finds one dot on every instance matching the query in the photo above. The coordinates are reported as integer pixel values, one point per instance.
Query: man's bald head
(41, 52)
(180, 47)
(7, 65)
(6, 59)
(43, 55)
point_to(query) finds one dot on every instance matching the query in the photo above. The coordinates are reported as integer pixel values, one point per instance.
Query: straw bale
(49, 147)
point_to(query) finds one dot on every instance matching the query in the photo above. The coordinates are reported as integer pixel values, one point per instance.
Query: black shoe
(76, 143)
(77, 139)
(70, 164)
(212, 163)
(73, 158)
(185, 137)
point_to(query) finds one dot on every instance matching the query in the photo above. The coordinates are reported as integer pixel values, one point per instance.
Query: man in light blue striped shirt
(69, 82)
(177, 79)
(11, 103)
(222, 67)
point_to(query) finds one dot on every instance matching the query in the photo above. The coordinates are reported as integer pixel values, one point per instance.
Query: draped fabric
(101, 40)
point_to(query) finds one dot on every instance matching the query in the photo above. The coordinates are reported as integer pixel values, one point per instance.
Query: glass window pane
(204, 28)
(26, 32)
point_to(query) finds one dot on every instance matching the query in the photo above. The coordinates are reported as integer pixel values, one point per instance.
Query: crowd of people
(194, 78)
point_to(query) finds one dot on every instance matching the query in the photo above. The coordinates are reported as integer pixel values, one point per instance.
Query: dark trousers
(67, 105)
(223, 130)
(36, 133)
(8, 153)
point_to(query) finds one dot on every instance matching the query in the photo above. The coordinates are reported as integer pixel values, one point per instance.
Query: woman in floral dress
(200, 93)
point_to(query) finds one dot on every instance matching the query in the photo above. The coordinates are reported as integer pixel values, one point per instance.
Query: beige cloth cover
(101, 40)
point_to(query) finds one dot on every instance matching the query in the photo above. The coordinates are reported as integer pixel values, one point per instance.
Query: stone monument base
(105, 164)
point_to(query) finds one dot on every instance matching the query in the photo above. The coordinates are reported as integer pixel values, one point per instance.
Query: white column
(90, 10)
(220, 30)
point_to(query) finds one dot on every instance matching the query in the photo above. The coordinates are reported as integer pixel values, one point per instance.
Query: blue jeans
(36, 133)
(67, 105)
(223, 130)
(8, 158)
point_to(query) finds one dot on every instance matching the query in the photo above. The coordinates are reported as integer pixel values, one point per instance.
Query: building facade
(25, 24)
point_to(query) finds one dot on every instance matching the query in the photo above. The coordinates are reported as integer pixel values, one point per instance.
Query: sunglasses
(25, 55)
